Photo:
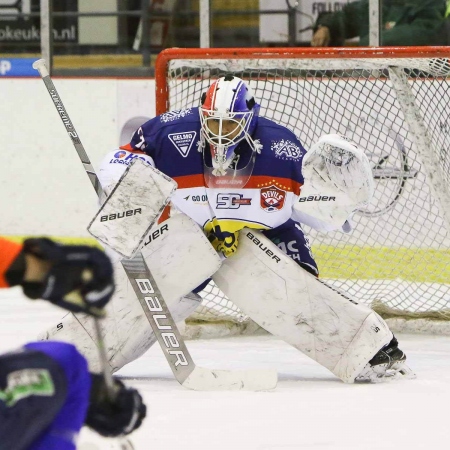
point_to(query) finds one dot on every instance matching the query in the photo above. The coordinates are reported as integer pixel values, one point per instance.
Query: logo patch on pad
(183, 141)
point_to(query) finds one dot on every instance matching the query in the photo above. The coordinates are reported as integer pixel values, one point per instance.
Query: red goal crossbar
(163, 59)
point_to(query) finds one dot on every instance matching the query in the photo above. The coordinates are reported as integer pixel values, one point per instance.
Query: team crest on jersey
(272, 199)
(286, 149)
(120, 154)
(183, 141)
(170, 116)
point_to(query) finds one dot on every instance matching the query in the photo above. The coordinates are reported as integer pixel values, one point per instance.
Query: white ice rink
(309, 410)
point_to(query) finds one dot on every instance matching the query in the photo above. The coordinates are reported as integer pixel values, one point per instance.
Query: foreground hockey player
(236, 170)
(46, 391)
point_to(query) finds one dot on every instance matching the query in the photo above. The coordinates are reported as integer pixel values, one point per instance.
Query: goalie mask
(228, 115)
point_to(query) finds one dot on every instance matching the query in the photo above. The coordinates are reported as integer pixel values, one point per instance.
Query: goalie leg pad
(180, 258)
(291, 303)
(127, 335)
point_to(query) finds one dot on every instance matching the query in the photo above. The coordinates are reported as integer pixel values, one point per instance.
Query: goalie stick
(186, 372)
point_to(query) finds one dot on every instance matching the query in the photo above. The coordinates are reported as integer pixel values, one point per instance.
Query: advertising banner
(20, 22)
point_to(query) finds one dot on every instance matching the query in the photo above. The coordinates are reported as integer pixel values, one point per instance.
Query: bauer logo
(161, 320)
(286, 150)
(183, 141)
(156, 234)
(317, 198)
(129, 213)
(272, 199)
(263, 247)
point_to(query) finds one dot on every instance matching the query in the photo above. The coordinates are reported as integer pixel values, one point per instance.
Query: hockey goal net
(394, 102)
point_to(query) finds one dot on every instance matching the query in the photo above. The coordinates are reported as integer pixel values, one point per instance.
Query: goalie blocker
(332, 329)
(132, 208)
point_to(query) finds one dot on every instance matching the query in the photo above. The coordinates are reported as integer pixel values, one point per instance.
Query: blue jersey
(172, 142)
(44, 396)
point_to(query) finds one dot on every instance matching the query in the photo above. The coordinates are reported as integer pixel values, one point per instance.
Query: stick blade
(202, 379)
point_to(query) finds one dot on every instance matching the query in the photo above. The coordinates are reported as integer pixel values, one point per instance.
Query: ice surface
(309, 410)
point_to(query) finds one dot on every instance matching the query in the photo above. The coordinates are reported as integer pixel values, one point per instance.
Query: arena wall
(45, 188)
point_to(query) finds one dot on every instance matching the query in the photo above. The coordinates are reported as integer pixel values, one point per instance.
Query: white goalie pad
(294, 305)
(338, 181)
(180, 258)
(132, 208)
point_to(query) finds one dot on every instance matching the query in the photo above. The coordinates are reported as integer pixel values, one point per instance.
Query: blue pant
(290, 238)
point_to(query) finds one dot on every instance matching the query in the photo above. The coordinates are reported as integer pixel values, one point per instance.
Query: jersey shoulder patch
(171, 116)
(279, 141)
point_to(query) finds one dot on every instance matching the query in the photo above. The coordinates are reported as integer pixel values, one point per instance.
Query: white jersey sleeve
(114, 165)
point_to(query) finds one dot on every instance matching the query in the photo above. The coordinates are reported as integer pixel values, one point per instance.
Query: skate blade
(404, 372)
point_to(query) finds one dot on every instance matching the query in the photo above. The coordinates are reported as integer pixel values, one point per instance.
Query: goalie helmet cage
(394, 103)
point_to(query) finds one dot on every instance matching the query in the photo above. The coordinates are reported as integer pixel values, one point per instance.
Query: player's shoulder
(176, 119)
(123, 155)
(268, 124)
(180, 116)
(278, 142)
(270, 130)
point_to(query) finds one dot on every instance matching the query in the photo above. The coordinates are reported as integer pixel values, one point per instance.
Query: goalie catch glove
(338, 181)
(78, 278)
(114, 417)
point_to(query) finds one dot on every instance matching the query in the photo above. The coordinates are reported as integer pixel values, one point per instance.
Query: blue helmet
(228, 114)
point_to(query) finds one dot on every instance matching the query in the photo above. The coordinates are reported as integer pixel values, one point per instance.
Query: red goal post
(394, 103)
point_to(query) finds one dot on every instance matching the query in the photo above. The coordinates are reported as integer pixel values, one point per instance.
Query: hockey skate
(388, 364)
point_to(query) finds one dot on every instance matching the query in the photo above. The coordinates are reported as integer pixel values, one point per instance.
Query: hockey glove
(79, 278)
(114, 417)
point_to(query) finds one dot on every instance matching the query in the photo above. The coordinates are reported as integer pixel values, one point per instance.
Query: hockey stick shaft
(40, 66)
(141, 277)
(104, 359)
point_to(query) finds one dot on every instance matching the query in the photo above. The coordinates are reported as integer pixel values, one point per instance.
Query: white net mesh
(397, 258)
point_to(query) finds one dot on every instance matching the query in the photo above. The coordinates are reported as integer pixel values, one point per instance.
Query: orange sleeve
(8, 253)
